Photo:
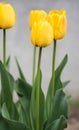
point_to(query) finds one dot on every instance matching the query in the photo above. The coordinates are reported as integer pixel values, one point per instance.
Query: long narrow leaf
(6, 94)
(24, 89)
(58, 84)
(41, 105)
(3, 123)
(61, 67)
(8, 85)
(20, 70)
(59, 124)
(60, 105)
(65, 83)
(8, 64)
(13, 125)
(24, 111)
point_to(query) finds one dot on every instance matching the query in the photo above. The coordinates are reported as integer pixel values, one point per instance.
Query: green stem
(4, 47)
(53, 67)
(34, 65)
(38, 90)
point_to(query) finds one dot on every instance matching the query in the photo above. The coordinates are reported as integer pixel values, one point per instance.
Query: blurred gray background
(19, 45)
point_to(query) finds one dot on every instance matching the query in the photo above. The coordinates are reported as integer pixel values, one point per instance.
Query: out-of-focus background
(19, 45)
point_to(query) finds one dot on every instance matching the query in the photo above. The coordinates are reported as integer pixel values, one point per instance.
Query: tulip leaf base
(22, 115)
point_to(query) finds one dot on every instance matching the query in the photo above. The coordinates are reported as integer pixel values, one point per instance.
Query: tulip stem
(34, 65)
(4, 47)
(38, 89)
(53, 67)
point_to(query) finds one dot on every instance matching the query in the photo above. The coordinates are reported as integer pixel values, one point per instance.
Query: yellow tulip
(36, 16)
(59, 23)
(7, 16)
(41, 34)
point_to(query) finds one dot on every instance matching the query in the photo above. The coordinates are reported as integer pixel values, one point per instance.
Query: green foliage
(58, 124)
(8, 64)
(12, 124)
(58, 85)
(6, 93)
(20, 70)
(33, 104)
(22, 115)
(24, 89)
(60, 105)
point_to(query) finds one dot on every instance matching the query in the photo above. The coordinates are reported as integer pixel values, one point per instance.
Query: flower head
(42, 34)
(58, 21)
(7, 16)
(36, 16)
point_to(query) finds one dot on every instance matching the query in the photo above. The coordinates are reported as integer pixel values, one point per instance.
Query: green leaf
(61, 67)
(58, 84)
(6, 76)
(6, 94)
(3, 124)
(8, 64)
(23, 88)
(12, 124)
(59, 124)
(58, 72)
(14, 113)
(0, 101)
(60, 105)
(8, 84)
(65, 83)
(41, 109)
(4, 111)
(20, 70)
(48, 100)
(24, 113)
(41, 104)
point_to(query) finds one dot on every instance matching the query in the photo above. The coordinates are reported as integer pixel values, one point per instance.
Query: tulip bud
(7, 16)
(36, 16)
(58, 21)
(41, 34)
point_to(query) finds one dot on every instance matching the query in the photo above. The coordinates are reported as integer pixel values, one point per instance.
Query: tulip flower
(7, 16)
(36, 16)
(7, 20)
(58, 21)
(41, 34)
